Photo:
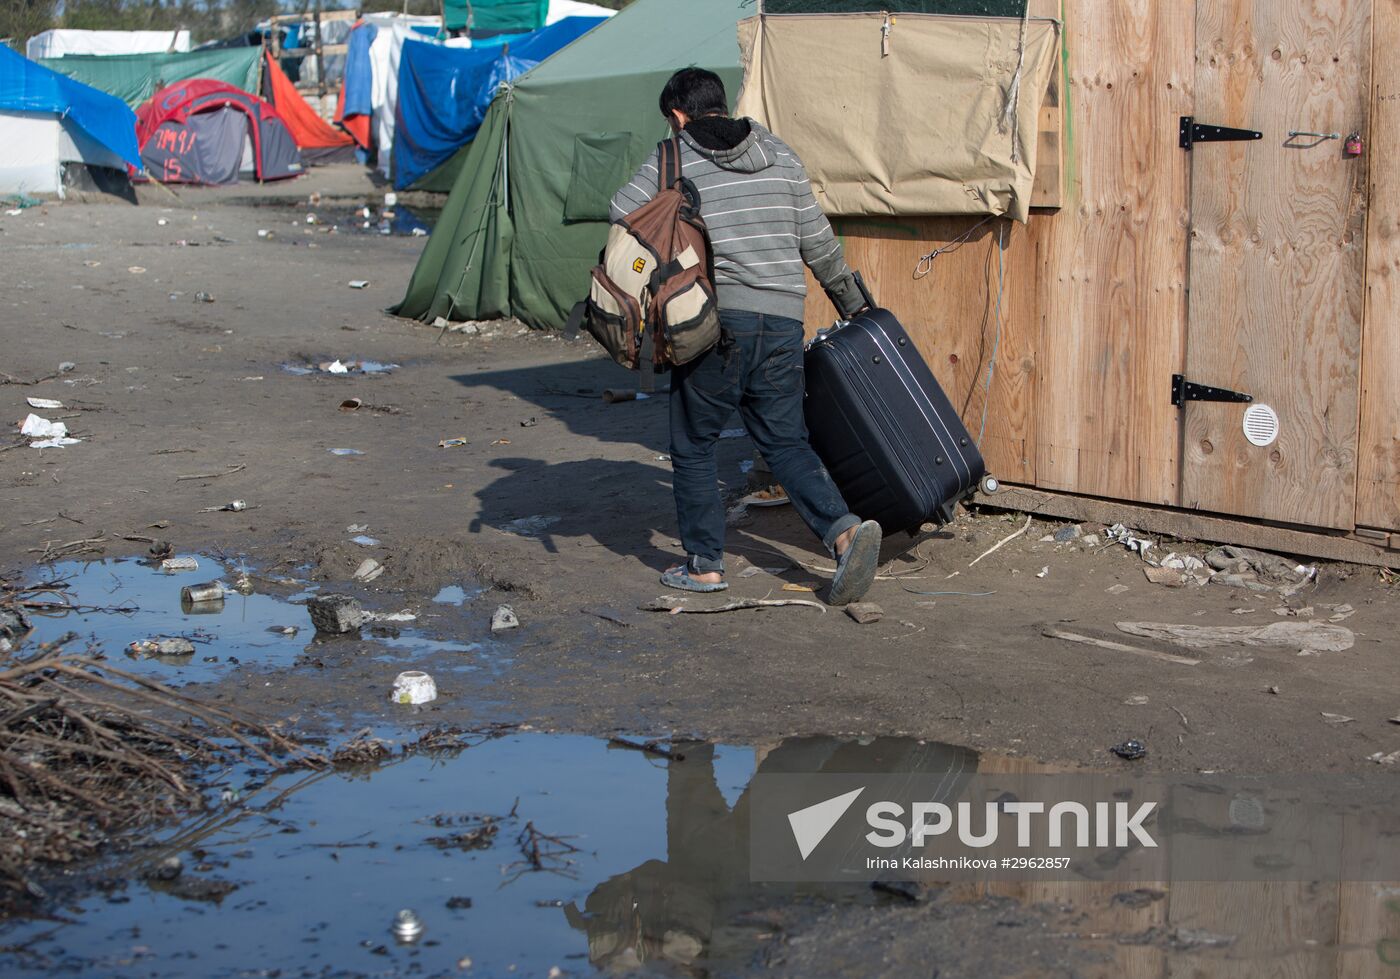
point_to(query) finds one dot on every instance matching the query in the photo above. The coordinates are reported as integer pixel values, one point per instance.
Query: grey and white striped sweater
(763, 222)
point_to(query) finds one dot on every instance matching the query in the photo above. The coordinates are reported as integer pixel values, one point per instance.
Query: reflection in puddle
(645, 865)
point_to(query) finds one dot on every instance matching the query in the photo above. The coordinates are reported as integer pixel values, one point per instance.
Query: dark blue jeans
(756, 369)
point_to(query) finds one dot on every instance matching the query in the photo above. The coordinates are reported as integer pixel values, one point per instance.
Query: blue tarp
(444, 92)
(29, 87)
(358, 87)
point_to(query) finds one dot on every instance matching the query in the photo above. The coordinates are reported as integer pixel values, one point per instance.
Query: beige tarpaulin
(907, 113)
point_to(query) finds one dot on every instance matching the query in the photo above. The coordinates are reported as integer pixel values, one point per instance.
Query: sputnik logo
(810, 825)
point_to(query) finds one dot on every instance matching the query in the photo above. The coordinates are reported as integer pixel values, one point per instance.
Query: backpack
(651, 302)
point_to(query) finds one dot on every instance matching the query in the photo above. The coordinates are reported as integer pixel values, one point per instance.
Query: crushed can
(202, 599)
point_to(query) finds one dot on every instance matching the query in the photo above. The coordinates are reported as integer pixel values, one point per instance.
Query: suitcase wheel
(990, 484)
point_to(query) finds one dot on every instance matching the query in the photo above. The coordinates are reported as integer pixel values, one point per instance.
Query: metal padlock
(1353, 145)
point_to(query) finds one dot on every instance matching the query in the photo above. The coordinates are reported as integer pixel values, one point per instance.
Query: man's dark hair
(696, 92)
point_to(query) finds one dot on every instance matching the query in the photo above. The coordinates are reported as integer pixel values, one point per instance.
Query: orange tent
(320, 142)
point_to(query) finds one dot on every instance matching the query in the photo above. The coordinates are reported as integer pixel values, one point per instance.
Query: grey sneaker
(855, 571)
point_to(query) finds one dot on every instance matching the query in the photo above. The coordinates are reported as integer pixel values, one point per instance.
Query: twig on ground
(1004, 541)
(229, 471)
(673, 604)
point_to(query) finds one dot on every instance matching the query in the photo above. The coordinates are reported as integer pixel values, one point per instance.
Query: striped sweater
(763, 223)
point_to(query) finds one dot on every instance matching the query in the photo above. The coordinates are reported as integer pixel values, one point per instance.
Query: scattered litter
(749, 572)
(35, 427)
(1130, 750)
(364, 540)
(263, 232)
(203, 297)
(504, 618)
(335, 614)
(500, 441)
(1243, 611)
(1089, 541)
(793, 586)
(1117, 589)
(346, 452)
(233, 506)
(419, 232)
(351, 404)
(1336, 718)
(733, 433)
(136, 270)
(368, 570)
(1395, 720)
(675, 604)
(1381, 758)
(1119, 647)
(530, 422)
(865, 613)
(771, 496)
(663, 458)
(42, 403)
(1296, 613)
(1340, 613)
(1183, 562)
(358, 283)
(175, 565)
(1122, 535)
(1274, 691)
(411, 687)
(1310, 637)
(528, 526)
(1004, 541)
(1164, 576)
(1137, 700)
(1257, 570)
(228, 471)
(56, 442)
(1043, 571)
(208, 593)
(357, 528)
(145, 648)
(14, 212)
(451, 443)
(404, 616)
(1069, 533)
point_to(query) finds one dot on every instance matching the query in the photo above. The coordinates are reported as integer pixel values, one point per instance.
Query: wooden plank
(1378, 475)
(328, 50)
(1048, 189)
(1189, 525)
(1277, 257)
(1111, 289)
(950, 313)
(1119, 647)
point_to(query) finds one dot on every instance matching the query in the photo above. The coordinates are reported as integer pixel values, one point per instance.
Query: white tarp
(57, 43)
(559, 9)
(37, 144)
(392, 31)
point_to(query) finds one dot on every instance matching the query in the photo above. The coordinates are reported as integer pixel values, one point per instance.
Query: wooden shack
(1164, 274)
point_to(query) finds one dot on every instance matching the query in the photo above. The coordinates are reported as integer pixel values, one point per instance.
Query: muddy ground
(169, 386)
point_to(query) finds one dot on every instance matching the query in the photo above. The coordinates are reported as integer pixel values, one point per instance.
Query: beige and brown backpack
(652, 297)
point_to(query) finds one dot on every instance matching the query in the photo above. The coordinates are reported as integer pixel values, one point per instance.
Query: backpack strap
(668, 164)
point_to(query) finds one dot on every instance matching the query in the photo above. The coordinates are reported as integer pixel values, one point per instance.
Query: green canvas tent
(510, 16)
(134, 77)
(528, 212)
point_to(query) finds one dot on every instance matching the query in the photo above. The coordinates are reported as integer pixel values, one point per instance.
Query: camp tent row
(1034, 222)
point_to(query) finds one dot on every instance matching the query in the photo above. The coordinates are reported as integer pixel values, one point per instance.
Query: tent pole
(320, 63)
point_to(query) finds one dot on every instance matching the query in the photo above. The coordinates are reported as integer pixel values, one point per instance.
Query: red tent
(204, 131)
(320, 142)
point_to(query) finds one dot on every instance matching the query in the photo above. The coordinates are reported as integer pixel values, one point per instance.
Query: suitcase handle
(864, 291)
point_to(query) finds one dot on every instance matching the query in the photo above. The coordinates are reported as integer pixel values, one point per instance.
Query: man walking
(764, 224)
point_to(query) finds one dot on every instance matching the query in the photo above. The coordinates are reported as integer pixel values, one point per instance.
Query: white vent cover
(1260, 425)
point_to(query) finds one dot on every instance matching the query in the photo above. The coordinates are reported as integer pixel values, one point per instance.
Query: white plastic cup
(413, 687)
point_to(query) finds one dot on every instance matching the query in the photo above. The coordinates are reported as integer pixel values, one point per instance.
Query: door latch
(1184, 391)
(1193, 132)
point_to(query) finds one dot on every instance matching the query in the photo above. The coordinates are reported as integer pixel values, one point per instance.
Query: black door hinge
(1196, 132)
(1184, 391)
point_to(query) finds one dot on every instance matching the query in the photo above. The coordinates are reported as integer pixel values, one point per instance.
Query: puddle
(263, 629)
(338, 368)
(458, 595)
(371, 218)
(657, 877)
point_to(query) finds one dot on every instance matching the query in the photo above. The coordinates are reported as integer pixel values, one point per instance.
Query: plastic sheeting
(318, 140)
(133, 78)
(444, 92)
(29, 87)
(941, 119)
(512, 16)
(502, 245)
(57, 43)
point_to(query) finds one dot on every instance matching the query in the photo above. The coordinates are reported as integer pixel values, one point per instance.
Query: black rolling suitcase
(888, 434)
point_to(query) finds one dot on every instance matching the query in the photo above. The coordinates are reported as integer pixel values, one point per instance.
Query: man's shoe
(855, 571)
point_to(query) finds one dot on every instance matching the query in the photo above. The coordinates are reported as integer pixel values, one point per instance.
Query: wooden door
(1276, 258)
